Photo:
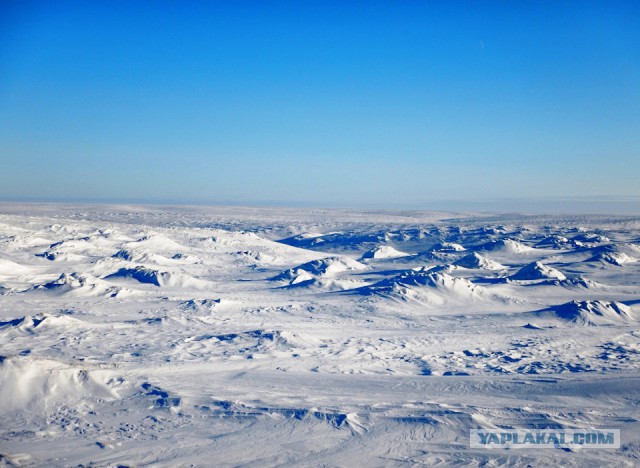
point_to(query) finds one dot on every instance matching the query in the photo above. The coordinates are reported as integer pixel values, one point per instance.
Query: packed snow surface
(229, 336)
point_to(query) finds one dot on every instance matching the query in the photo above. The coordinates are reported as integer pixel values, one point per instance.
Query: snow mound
(383, 251)
(580, 282)
(505, 245)
(613, 258)
(628, 248)
(435, 280)
(256, 257)
(145, 256)
(55, 256)
(82, 284)
(324, 267)
(475, 260)
(156, 243)
(448, 247)
(433, 256)
(425, 285)
(41, 383)
(141, 256)
(537, 271)
(30, 323)
(327, 284)
(200, 304)
(532, 326)
(595, 313)
(341, 241)
(554, 242)
(11, 269)
(589, 238)
(78, 248)
(302, 276)
(250, 344)
(159, 278)
(186, 258)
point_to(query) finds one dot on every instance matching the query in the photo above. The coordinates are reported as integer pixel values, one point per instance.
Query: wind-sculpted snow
(613, 258)
(509, 246)
(428, 286)
(135, 336)
(83, 285)
(595, 313)
(329, 266)
(383, 251)
(537, 271)
(169, 279)
(475, 260)
(321, 272)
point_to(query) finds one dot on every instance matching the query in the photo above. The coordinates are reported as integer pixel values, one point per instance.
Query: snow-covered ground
(229, 336)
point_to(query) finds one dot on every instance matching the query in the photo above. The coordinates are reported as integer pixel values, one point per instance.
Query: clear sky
(380, 103)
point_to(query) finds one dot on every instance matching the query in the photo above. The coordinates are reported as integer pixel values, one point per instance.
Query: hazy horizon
(552, 206)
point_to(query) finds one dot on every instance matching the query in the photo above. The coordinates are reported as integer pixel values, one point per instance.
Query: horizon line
(609, 204)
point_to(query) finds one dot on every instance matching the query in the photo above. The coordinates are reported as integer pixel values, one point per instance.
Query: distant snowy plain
(227, 336)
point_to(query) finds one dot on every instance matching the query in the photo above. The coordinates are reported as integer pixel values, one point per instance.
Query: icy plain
(227, 336)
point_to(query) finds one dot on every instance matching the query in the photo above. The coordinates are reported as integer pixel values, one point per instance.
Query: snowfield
(228, 336)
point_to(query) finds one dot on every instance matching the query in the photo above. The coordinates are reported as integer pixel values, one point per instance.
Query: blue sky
(374, 104)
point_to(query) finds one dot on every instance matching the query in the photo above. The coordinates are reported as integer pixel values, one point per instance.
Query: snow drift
(82, 284)
(595, 313)
(506, 246)
(476, 261)
(427, 286)
(383, 251)
(41, 383)
(325, 267)
(537, 271)
(159, 278)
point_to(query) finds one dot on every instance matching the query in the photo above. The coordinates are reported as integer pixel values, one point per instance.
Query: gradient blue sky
(325, 103)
